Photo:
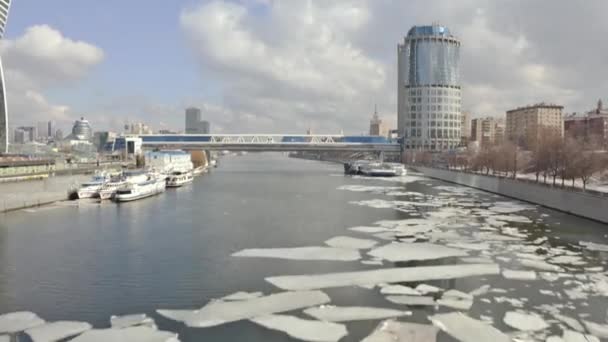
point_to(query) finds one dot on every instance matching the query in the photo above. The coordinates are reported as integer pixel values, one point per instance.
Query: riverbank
(587, 205)
(34, 193)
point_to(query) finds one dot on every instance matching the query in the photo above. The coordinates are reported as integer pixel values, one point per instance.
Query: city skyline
(327, 77)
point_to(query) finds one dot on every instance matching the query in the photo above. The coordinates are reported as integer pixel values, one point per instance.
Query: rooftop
(429, 30)
(537, 105)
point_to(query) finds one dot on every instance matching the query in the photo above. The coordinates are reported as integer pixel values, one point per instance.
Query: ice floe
(425, 288)
(368, 230)
(350, 242)
(303, 329)
(519, 275)
(596, 329)
(480, 291)
(467, 329)
(120, 322)
(18, 321)
(241, 295)
(302, 253)
(220, 312)
(525, 321)
(411, 300)
(540, 265)
(331, 313)
(384, 275)
(472, 246)
(569, 321)
(56, 331)
(399, 251)
(131, 334)
(594, 246)
(399, 290)
(510, 207)
(574, 336)
(392, 331)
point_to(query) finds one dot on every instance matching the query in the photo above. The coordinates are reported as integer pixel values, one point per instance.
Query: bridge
(268, 142)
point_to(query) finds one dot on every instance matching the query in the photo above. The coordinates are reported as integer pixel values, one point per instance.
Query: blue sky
(284, 66)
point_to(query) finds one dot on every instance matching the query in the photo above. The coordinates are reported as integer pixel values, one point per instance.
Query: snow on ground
(350, 242)
(383, 275)
(331, 313)
(18, 321)
(467, 329)
(302, 253)
(57, 331)
(220, 312)
(303, 329)
(525, 321)
(132, 334)
(392, 331)
(415, 251)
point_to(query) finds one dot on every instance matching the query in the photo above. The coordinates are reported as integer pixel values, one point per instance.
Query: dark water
(173, 251)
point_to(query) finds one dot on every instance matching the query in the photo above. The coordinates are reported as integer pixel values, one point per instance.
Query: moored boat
(127, 177)
(177, 179)
(91, 188)
(133, 191)
(378, 170)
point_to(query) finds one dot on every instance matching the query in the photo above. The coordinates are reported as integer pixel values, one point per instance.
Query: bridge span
(268, 142)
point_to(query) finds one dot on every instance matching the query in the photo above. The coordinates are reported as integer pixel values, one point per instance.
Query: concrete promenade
(19, 195)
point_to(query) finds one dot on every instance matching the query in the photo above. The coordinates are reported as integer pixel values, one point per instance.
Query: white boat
(399, 168)
(127, 177)
(177, 179)
(134, 191)
(377, 170)
(199, 170)
(91, 188)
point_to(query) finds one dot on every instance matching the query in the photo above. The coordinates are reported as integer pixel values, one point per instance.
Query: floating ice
(596, 329)
(510, 207)
(471, 246)
(425, 288)
(518, 303)
(218, 312)
(411, 300)
(568, 259)
(547, 292)
(540, 265)
(120, 322)
(519, 275)
(367, 188)
(512, 218)
(56, 331)
(456, 303)
(554, 339)
(242, 296)
(372, 262)
(525, 322)
(571, 322)
(330, 313)
(303, 329)
(18, 321)
(573, 336)
(384, 275)
(392, 331)
(415, 251)
(456, 294)
(480, 291)
(132, 334)
(302, 253)
(399, 290)
(477, 260)
(350, 242)
(467, 329)
(369, 230)
(594, 246)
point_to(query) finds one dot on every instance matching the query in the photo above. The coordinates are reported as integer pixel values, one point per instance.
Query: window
(413, 108)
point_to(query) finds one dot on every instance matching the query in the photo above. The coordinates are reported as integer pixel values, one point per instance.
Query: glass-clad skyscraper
(4, 8)
(429, 89)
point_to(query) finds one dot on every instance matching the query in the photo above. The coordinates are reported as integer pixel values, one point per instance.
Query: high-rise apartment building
(429, 95)
(526, 124)
(194, 124)
(465, 128)
(487, 131)
(4, 9)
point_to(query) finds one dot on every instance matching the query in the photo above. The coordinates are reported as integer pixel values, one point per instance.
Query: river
(87, 261)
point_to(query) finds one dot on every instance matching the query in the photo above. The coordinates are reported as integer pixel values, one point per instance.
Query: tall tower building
(429, 96)
(194, 124)
(4, 9)
(375, 124)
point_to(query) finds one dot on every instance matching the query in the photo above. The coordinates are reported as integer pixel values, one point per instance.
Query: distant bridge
(269, 142)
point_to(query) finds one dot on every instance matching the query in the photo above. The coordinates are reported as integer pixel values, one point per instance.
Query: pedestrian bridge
(268, 142)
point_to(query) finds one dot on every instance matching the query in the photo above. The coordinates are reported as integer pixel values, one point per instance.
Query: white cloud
(34, 62)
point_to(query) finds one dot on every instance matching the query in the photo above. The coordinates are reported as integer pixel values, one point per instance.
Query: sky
(286, 66)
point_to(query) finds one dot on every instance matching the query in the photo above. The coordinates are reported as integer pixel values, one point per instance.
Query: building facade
(81, 130)
(526, 124)
(194, 124)
(465, 128)
(375, 124)
(4, 9)
(487, 132)
(429, 95)
(591, 126)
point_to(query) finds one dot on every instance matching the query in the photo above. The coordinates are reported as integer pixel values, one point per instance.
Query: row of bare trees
(552, 157)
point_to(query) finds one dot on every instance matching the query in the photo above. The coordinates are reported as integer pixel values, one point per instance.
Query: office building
(82, 130)
(25, 134)
(4, 10)
(194, 124)
(375, 124)
(487, 132)
(526, 124)
(100, 139)
(429, 95)
(140, 128)
(42, 130)
(465, 128)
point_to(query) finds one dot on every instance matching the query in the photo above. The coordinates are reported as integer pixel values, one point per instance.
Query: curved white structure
(4, 9)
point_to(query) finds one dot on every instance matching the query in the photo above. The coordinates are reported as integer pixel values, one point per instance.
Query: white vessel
(199, 170)
(134, 191)
(127, 177)
(400, 169)
(177, 179)
(91, 188)
(378, 170)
